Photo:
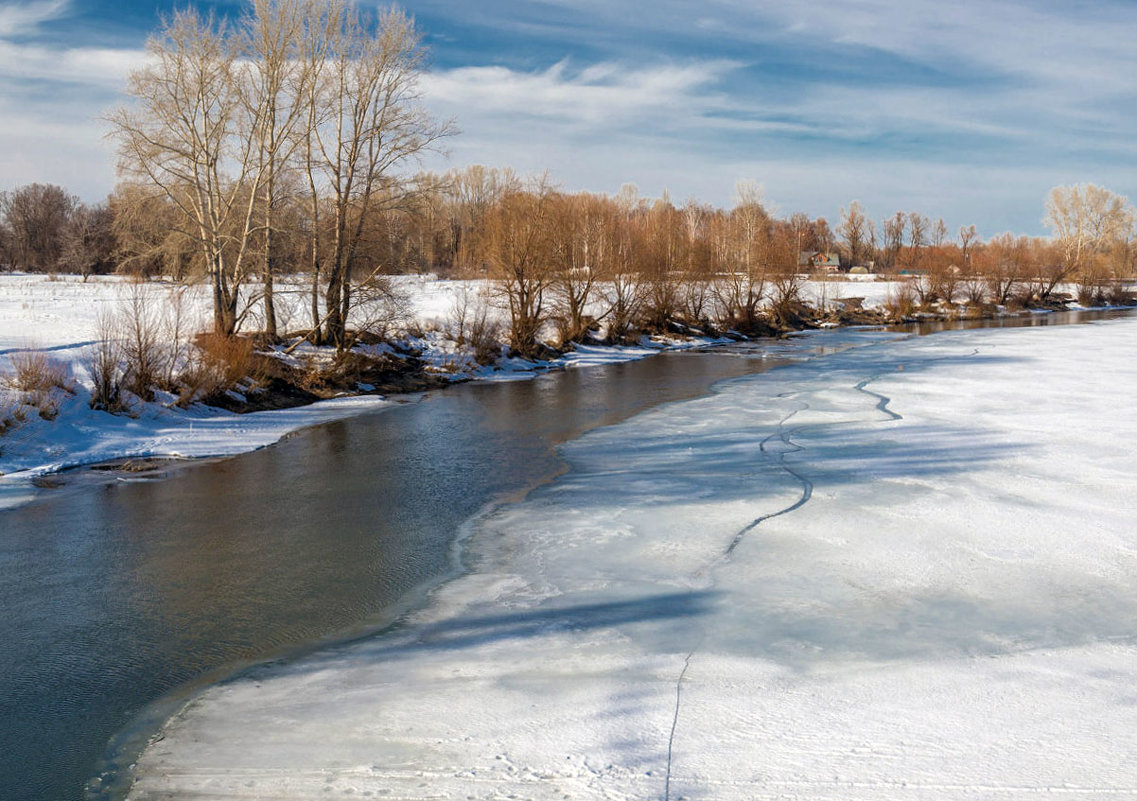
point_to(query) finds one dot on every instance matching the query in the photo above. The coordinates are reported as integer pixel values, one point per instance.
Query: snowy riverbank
(60, 319)
(903, 571)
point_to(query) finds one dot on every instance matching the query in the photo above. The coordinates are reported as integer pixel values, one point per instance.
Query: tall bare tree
(579, 253)
(892, 228)
(742, 251)
(365, 121)
(855, 230)
(183, 135)
(1087, 220)
(516, 246)
(273, 81)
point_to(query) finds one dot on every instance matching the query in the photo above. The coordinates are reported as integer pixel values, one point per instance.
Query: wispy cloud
(973, 108)
(945, 95)
(601, 96)
(17, 19)
(55, 92)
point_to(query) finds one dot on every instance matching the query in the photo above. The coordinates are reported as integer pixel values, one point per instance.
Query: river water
(120, 594)
(115, 595)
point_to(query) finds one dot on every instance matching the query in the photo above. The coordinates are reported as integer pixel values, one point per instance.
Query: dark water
(114, 596)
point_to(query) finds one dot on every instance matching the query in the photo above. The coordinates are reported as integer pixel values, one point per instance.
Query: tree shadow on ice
(665, 614)
(752, 465)
(922, 624)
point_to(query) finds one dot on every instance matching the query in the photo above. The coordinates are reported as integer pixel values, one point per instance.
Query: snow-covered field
(60, 318)
(906, 571)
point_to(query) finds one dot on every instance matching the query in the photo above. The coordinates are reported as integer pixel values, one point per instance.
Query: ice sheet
(904, 571)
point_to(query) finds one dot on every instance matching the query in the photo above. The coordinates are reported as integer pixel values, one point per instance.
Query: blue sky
(970, 111)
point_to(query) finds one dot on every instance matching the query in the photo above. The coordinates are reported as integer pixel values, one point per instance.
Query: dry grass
(901, 300)
(219, 364)
(12, 411)
(35, 371)
(36, 382)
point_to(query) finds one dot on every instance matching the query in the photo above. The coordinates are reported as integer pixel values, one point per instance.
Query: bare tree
(148, 240)
(661, 262)
(939, 233)
(1087, 220)
(892, 229)
(35, 218)
(182, 135)
(579, 253)
(967, 236)
(515, 245)
(855, 231)
(622, 287)
(1005, 263)
(365, 120)
(697, 285)
(88, 242)
(918, 228)
(741, 249)
(274, 83)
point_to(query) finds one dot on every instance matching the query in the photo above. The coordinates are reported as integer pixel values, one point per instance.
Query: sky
(970, 111)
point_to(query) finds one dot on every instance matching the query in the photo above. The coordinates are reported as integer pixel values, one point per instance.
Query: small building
(819, 260)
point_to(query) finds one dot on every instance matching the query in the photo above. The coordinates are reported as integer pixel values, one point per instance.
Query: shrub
(143, 351)
(217, 364)
(470, 323)
(103, 361)
(37, 372)
(901, 300)
(33, 384)
(12, 412)
(380, 305)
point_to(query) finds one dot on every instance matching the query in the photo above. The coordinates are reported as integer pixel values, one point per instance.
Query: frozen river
(899, 571)
(119, 595)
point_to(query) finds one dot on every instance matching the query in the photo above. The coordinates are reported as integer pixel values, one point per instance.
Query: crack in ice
(786, 437)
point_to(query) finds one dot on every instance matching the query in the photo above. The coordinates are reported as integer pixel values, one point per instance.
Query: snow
(59, 316)
(61, 319)
(900, 571)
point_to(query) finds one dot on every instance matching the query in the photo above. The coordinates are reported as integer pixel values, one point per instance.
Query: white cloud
(677, 127)
(53, 98)
(99, 67)
(22, 18)
(601, 95)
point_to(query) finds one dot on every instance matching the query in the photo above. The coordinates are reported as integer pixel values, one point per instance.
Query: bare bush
(785, 296)
(975, 290)
(379, 306)
(470, 323)
(143, 344)
(13, 412)
(623, 294)
(219, 364)
(901, 300)
(103, 361)
(33, 384)
(173, 327)
(36, 371)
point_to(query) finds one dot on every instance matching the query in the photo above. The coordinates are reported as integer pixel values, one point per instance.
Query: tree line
(579, 259)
